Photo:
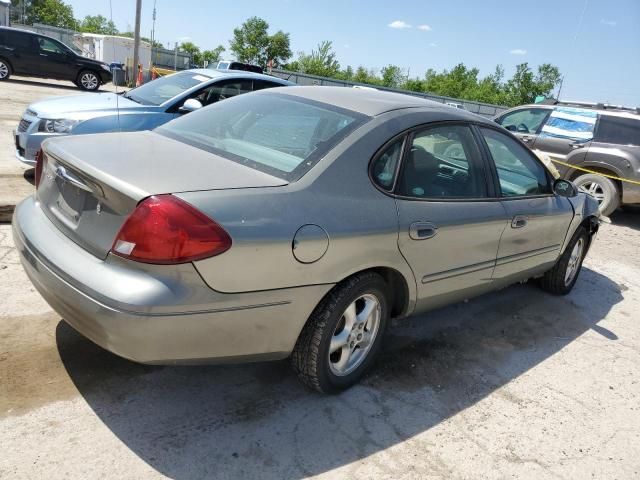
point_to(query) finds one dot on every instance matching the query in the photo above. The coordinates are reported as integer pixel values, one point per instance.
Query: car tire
(564, 274)
(88, 80)
(5, 69)
(604, 190)
(328, 327)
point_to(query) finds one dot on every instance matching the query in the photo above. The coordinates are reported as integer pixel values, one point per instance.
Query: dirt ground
(515, 384)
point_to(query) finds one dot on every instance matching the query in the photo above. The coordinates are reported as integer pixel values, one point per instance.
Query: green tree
(320, 62)
(193, 50)
(98, 24)
(251, 43)
(392, 76)
(50, 12)
(524, 86)
(212, 56)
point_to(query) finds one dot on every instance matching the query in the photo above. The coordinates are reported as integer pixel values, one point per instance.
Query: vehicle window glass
(519, 172)
(262, 84)
(223, 90)
(165, 88)
(571, 123)
(20, 40)
(48, 46)
(274, 133)
(443, 162)
(527, 120)
(618, 130)
(383, 169)
(223, 65)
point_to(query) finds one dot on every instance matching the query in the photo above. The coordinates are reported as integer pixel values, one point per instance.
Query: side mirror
(190, 105)
(511, 128)
(564, 188)
(522, 128)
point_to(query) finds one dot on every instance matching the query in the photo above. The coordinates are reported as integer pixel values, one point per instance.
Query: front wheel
(562, 277)
(603, 189)
(343, 334)
(88, 80)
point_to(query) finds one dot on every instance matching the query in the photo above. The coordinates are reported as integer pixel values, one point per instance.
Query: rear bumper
(152, 313)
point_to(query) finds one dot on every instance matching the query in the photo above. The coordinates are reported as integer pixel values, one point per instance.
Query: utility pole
(153, 32)
(136, 39)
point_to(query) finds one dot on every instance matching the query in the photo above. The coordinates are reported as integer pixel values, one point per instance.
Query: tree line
(252, 43)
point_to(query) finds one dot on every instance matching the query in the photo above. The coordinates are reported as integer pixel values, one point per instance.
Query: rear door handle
(422, 230)
(519, 221)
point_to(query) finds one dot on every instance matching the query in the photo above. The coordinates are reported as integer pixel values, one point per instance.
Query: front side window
(48, 46)
(165, 88)
(223, 90)
(443, 162)
(275, 133)
(519, 173)
(618, 130)
(527, 120)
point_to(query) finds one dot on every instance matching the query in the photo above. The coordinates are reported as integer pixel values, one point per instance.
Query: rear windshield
(275, 133)
(165, 88)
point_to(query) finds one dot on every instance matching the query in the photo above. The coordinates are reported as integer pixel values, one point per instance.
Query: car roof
(373, 102)
(214, 73)
(627, 113)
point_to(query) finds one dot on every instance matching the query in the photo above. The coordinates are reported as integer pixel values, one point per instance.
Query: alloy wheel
(354, 335)
(89, 81)
(4, 70)
(594, 189)
(574, 262)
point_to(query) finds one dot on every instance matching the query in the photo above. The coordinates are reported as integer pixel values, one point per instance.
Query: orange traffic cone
(139, 79)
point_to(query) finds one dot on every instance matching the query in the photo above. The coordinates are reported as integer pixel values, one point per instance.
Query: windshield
(165, 88)
(274, 133)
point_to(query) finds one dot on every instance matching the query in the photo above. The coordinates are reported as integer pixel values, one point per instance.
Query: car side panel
(125, 122)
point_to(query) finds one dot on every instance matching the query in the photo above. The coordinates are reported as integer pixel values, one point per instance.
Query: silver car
(292, 222)
(142, 108)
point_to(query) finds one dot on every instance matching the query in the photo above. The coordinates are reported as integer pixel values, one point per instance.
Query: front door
(449, 230)
(55, 60)
(538, 220)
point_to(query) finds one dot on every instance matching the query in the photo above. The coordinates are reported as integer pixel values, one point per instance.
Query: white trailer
(112, 48)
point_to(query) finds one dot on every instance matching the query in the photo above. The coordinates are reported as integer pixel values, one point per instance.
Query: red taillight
(39, 165)
(164, 229)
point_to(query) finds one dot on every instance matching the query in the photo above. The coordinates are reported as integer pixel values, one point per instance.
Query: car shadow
(258, 421)
(628, 217)
(44, 83)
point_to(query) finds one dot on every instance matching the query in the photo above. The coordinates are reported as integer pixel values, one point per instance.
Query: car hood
(81, 105)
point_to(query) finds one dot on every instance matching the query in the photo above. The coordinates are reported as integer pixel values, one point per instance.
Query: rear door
(525, 123)
(538, 220)
(449, 229)
(21, 51)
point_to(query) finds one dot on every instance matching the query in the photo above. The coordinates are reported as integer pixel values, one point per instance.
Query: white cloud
(399, 24)
(518, 51)
(433, 44)
(424, 28)
(608, 23)
(346, 45)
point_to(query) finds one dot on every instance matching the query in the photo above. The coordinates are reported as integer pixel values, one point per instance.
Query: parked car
(298, 223)
(596, 137)
(33, 55)
(233, 65)
(142, 108)
(455, 105)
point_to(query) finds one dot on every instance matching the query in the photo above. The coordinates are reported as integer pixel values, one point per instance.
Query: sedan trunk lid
(91, 183)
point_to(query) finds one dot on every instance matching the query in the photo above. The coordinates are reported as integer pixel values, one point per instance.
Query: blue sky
(598, 51)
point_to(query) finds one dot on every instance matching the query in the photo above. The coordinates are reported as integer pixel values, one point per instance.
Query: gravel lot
(515, 384)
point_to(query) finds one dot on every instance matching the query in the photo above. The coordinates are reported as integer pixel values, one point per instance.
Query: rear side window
(519, 173)
(618, 130)
(571, 123)
(383, 169)
(19, 40)
(262, 84)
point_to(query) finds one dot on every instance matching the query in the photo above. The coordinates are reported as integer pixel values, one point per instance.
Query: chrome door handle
(525, 139)
(519, 221)
(422, 230)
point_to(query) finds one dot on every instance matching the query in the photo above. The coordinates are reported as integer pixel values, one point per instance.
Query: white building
(5, 5)
(111, 48)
